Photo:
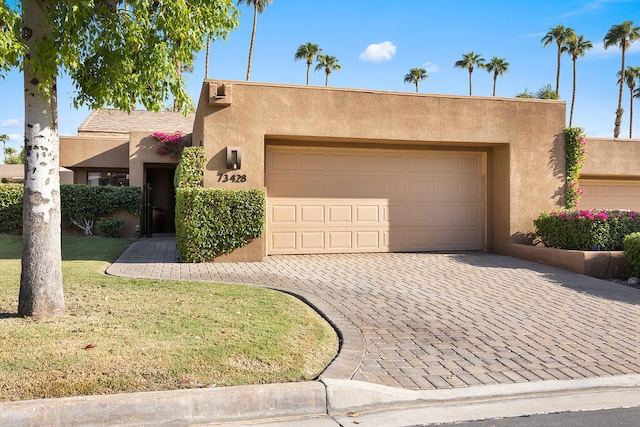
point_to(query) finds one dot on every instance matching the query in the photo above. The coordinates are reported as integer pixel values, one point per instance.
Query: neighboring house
(115, 147)
(350, 170)
(15, 173)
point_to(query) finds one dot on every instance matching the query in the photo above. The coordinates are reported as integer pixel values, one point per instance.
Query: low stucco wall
(612, 158)
(599, 264)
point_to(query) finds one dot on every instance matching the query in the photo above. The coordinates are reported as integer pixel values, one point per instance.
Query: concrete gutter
(326, 402)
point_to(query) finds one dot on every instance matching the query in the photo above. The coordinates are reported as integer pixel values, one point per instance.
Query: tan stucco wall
(522, 137)
(608, 157)
(88, 152)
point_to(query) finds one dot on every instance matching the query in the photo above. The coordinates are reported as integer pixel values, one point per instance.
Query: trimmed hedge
(110, 227)
(190, 170)
(80, 204)
(586, 230)
(211, 222)
(10, 207)
(632, 254)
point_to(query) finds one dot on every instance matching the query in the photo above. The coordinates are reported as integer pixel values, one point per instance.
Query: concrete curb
(328, 402)
(179, 407)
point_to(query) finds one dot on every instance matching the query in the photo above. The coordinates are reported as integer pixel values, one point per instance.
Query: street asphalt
(426, 338)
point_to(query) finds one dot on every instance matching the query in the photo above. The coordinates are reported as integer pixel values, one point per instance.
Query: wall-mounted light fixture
(234, 158)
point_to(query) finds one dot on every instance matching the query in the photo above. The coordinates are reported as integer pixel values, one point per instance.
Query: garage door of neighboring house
(609, 194)
(339, 200)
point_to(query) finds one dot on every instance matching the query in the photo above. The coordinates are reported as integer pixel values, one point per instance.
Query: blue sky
(378, 42)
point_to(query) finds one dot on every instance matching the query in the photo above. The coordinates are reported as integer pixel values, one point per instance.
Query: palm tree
(469, 61)
(415, 75)
(258, 7)
(621, 35)
(206, 64)
(561, 35)
(631, 76)
(497, 66)
(308, 52)
(576, 46)
(4, 137)
(327, 63)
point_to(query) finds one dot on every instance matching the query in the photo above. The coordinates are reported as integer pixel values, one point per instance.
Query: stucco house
(350, 170)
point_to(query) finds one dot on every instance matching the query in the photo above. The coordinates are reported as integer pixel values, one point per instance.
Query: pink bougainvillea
(169, 144)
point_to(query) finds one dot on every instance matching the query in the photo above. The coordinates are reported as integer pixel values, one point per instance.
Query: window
(118, 179)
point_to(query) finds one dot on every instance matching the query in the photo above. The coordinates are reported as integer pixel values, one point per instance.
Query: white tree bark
(41, 292)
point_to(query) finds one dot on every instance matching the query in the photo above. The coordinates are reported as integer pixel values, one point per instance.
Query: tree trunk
(573, 94)
(558, 72)
(253, 37)
(470, 74)
(206, 65)
(631, 113)
(495, 79)
(619, 111)
(41, 293)
(308, 69)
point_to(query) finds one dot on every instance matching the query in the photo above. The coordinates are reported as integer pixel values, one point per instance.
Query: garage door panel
(284, 214)
(340, 214)
(609, 194)
(366, 200)
(312, 214)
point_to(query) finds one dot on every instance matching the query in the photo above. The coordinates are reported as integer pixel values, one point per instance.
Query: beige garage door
(332, 200)
(609, 194)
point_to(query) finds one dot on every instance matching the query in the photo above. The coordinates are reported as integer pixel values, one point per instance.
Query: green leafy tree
(469, 61)
(327, 63)
(546, 92)
(497, 66)
(621, 35)
(117, 55)
(415, 76)
(561, 36)
(631, 77)
(576, 46)
(12, 157)
(258, 7)
(308, 52)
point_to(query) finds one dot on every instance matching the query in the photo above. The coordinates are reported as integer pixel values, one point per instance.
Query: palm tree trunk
(573, 94)
(416, 86)
(326, 80)
(619, 111)
(206, 65)
(253, 37)
(308, 69)
(495, 79)
(631, 113)
(41, 292)
(470, 73)
(558, 73)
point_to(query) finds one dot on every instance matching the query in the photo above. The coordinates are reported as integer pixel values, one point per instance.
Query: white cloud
(379, 52)
(10, 123)
(18, 137)
(430, 67)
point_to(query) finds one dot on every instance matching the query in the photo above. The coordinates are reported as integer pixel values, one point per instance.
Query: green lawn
(125, 335)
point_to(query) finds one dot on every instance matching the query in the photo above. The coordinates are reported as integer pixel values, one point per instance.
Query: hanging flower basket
(169, 144)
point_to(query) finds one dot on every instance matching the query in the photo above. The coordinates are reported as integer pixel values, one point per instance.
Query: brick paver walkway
(433, 321)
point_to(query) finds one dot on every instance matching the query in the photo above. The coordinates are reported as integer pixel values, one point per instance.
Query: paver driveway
(432, 321)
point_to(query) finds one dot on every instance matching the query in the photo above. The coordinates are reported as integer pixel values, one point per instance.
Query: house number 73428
(225, 177)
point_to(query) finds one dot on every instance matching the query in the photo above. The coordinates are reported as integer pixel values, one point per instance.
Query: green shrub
(82, 204)
(211, 222)
(632, 254)
(586, 230)
(111, 227)
(190, 170)
(10, 207)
